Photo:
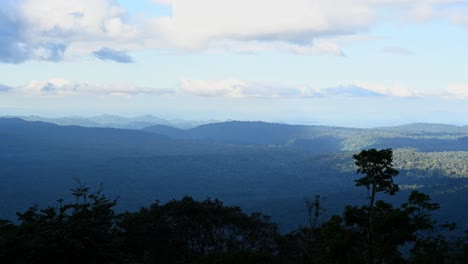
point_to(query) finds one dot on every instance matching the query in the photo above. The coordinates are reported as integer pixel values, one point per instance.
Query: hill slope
(38, 162)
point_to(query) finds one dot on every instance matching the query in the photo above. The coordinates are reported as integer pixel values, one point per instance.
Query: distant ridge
(422, 136)
(429, 127)
(167, 130)
(113, 121)
(240, 132)
(30, 134)
(312, 138)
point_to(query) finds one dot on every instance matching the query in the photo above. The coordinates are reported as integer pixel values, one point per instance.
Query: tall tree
(377, 168)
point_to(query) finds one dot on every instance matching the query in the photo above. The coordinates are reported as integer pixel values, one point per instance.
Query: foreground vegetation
(87, 230)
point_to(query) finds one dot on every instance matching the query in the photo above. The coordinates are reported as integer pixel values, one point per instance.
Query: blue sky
(340, 62)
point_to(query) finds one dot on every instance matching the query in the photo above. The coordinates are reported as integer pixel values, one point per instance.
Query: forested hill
(428, 128)
(237, 132)
(19, 135)
(259, 166)
(423, 137)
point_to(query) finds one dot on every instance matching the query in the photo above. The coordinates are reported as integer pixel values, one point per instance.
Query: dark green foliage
(377, 166)
(8, 234)
(331, 242)
(78, 232)
(39, 160)
(376, 232)
(87, 230)
(419, 208)
(188, 231)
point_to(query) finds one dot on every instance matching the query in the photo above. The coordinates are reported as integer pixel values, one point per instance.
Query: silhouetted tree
(377, 167)
(77, 232)
(188, 231)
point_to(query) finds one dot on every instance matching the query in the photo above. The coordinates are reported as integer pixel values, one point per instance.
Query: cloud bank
(234, 88)
(54, 30)
(63, 87)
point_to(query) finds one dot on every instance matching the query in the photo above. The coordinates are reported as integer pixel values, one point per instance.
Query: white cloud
(196, 23)
(317, 47)
(50, 29)
(393, 90)
(241, 89)
(236, 88)
(63, 87)
(292, 25)
(214, 88)
(57, 29)
(77, 20)
(459, 91)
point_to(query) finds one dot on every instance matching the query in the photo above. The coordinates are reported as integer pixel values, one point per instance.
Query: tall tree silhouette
(377, 167)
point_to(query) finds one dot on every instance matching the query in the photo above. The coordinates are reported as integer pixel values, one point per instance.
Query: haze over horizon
(105, 120)
(368, 63)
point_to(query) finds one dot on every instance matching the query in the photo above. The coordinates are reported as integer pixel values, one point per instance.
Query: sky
(362, 63)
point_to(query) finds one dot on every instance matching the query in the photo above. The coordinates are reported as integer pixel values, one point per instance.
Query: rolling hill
(259, 166)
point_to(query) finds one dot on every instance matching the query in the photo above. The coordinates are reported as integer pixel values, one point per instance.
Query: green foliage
(77, 232)
(190, 231)
(377, 166)
(451, 164)
(376, 232)
(181, 231)
(87, 230)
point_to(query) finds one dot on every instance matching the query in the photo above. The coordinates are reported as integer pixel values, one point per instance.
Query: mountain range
(113, 121)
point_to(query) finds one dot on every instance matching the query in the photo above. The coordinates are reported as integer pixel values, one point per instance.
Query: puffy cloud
(50, 29)
(62, 87)
(113, 55)
(76, 20)
(193, 24)
(292, 25)
(12, 50)
(56, 29)
(15, 45)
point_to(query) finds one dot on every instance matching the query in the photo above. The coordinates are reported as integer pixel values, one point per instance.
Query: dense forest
(87, 229)
(262, 167)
